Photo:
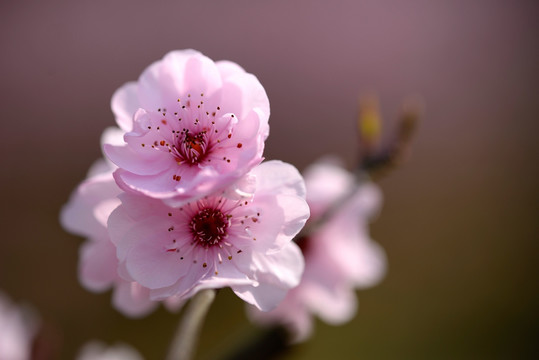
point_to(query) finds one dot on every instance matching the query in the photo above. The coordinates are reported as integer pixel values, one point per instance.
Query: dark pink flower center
(192, 148)
(208, 227)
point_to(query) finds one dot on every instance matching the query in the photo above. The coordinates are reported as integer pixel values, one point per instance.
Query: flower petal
(179, 73)
(97, 265)
(277, 177)
(148, 260)
(242, 92)
(124, 103)
(228, 68)
(336, 306)
(141, 163)
(78, 215)
(132, 299)
(276, 274)
(265, 296)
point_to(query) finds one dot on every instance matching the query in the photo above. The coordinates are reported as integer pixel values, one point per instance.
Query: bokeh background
(459, 221)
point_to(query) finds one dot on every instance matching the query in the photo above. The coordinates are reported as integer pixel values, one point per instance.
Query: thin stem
(185, 339)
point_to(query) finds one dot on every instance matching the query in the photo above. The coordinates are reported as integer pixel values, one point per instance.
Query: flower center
(208, 227)
(192, 148)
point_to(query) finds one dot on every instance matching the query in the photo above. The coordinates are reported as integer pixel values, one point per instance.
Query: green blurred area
(459, 219)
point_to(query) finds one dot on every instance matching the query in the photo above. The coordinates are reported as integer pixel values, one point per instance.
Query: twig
(185, 339)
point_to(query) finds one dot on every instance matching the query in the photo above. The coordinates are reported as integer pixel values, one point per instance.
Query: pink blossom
(238, 237)
(193, 126)
(96, 350)
(86, 214)
(17, 330)
(339, 256)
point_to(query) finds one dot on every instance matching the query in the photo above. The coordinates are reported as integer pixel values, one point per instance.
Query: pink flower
(339, 257)
(17, 330)
(193, 127)
(98, 351)
(86, 214)
(238, 237)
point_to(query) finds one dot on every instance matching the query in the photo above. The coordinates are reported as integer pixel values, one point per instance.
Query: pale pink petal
(100, 167)
(179, 73)
(185, 287)
(277, 177)
(291, 312)
(18, 325)
(214, 276)
(276, 273)
(216, 282)
(228, 68)
(174, 303)
(280, 192)
(119, 223)
(113, 135)
(327, 182)
(284, 267)
(124, 103)
(248, 133)
(141, 163)
(352, 250)
(78, 217)
(373, 265)
(132, 299)
(148, 258)
(97, 265)
(157, 186)
(301, 324)
(98, 351)
(140, 207)
(368, 200)
(265, 296)
(242, 92)
(283, 216)
(334, 304)
(123, 274)
(295, 217)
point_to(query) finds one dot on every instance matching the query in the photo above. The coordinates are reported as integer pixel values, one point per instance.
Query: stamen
(208, 227)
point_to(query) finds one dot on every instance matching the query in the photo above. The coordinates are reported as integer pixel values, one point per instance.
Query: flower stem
(185, 339)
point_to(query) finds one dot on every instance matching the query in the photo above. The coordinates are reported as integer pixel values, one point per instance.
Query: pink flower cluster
(184, 202)
(339, 256)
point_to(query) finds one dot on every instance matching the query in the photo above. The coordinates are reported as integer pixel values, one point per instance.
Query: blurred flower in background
(96, 350)
(339, 254)
(18, 328)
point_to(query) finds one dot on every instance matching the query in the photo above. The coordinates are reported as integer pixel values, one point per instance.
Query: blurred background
(459, 220)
